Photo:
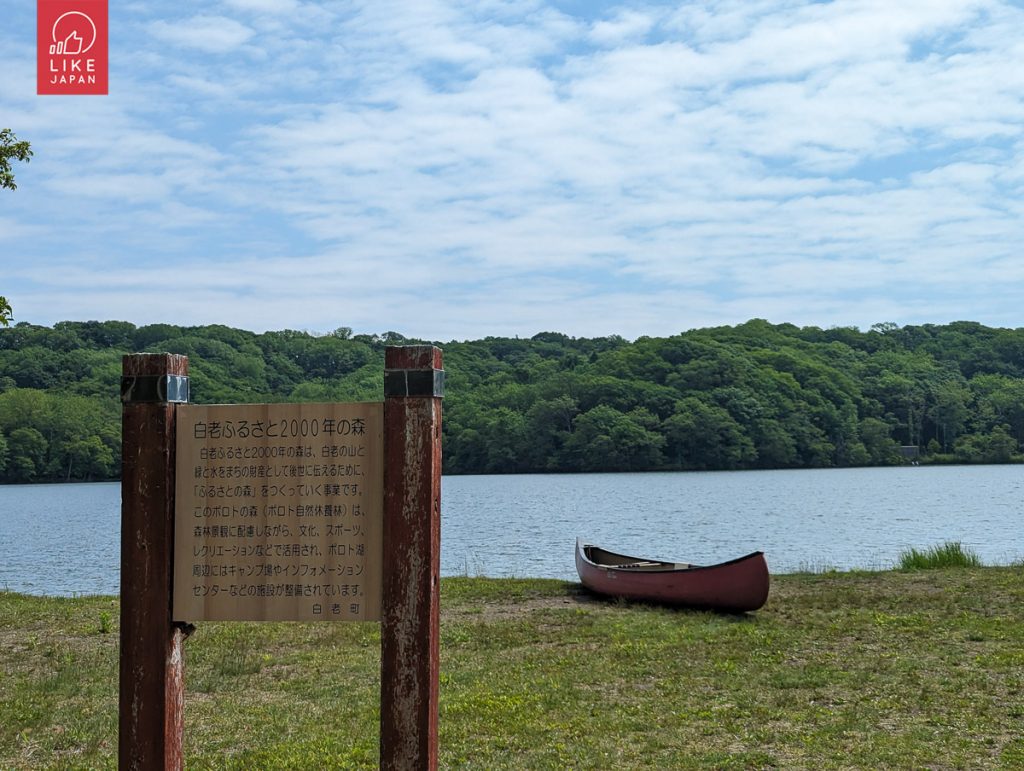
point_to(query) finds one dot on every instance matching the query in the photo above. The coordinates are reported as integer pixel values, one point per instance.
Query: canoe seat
(641, 564)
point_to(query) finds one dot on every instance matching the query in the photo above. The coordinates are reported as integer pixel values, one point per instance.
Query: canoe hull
(737, 586)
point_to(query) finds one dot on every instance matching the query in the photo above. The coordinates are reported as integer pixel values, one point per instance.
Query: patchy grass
(949, 555)
(838, 670)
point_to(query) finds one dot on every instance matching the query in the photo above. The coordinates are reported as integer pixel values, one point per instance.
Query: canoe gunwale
(669, 567)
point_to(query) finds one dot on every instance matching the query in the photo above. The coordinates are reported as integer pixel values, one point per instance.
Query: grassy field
(896, 669)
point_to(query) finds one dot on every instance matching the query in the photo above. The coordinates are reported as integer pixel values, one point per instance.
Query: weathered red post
(410, 604)
(151, 698)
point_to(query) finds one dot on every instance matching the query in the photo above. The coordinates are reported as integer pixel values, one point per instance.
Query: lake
(64, 539)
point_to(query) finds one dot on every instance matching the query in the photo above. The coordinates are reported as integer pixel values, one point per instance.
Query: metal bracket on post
(428, 383)
(155, 389)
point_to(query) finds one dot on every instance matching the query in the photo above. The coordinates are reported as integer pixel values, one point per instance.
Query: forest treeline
(752, 396)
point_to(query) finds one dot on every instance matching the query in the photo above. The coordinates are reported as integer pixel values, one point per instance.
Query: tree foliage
(752, 396)
(10, 149)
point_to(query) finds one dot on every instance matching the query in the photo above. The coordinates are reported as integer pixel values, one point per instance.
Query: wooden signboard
(278, 512)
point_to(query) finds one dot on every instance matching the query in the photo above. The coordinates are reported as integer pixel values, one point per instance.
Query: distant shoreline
(923, 464)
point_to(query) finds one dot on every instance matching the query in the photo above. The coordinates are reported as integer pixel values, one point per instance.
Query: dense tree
(27, 448)
(996, 446)
(756, 395)
(706, 436)
(876, 438)
(605, 439)
(1000, 401)
(949, 411)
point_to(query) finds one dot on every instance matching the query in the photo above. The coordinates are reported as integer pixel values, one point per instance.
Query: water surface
(65, 539)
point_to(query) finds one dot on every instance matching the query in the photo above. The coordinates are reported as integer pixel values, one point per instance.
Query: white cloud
(505, 167)
(627, 26)
(264, 6)
(212, 34)
(203, 86)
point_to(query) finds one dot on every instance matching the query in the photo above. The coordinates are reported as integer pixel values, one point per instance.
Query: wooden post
(410, 606)
(151, 698)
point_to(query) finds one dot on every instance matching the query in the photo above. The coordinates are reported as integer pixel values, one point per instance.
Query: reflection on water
(65, 539)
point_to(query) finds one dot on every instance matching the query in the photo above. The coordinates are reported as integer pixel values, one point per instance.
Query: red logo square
(71, 46)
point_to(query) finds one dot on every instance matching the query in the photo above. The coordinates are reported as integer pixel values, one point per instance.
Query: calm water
(64, 539)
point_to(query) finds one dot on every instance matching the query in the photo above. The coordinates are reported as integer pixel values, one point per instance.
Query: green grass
(895, 669)
(949, 555)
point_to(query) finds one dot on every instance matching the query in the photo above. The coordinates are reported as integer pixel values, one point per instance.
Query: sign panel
(278, 512)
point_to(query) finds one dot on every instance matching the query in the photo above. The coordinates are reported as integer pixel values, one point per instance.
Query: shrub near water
(949, 555)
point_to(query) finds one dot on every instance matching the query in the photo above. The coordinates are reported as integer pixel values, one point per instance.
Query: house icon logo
(72, 41)
(74, 33)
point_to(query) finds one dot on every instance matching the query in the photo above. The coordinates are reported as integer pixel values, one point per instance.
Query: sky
(453, 170)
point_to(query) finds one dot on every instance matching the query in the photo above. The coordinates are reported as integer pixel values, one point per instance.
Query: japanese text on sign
(278, 512)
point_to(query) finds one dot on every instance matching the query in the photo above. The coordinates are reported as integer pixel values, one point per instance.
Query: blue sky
(451, 170)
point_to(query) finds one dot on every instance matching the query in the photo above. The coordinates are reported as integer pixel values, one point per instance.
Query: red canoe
(735, 586)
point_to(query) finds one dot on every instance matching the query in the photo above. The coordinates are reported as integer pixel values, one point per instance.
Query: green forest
(752, 396)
